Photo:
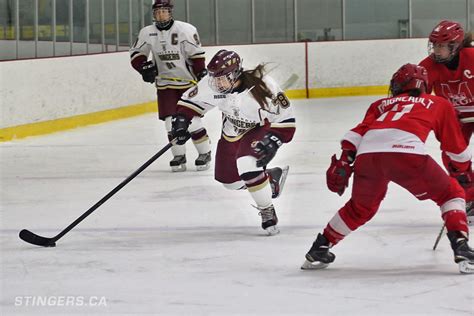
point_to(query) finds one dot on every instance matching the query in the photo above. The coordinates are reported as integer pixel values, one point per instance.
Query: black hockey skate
(203, 161)
(269, 219)
(319, 256)
(277, 177)
(463, 254)
(178, 163)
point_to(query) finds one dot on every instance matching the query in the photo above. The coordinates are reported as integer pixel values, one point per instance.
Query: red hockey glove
(338, 174)
(465, 178)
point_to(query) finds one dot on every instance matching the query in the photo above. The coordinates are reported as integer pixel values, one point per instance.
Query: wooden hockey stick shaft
(439, 237)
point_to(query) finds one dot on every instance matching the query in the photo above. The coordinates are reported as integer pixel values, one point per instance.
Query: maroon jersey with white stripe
(455, 85)
(403, 123)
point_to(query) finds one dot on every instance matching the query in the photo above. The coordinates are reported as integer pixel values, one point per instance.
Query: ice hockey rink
(181, 244)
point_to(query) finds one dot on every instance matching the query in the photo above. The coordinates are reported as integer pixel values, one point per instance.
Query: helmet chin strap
(163, 25)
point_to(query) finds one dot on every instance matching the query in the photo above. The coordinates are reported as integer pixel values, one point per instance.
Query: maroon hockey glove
(465, 178)
(338, 174)
(149, 72)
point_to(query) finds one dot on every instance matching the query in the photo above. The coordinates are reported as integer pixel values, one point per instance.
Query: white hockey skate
(269, 220)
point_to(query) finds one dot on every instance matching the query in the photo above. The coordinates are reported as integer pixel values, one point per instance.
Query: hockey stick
(194, 82)
(34, 239)
(439, 237)
(289, 82)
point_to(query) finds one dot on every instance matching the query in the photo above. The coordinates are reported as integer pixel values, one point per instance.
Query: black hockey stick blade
(37, 240)
(34, 239)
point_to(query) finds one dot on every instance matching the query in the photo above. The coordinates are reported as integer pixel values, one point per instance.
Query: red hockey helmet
(447, 33)
(224, 70)
(162, 4)
(409, 77)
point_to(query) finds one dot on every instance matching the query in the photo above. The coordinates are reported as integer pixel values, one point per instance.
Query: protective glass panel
(26, 46)
(63, 32)
(319, 20)
(95, 26)
(234, 22)
(7, 29)
(427, 13)
(202, 16)
(374, 19)
(274, 21)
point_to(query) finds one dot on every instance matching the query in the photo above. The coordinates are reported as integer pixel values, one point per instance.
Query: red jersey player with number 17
(389, 146)
(450, 67)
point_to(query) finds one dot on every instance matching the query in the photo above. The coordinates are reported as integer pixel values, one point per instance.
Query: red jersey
(403, 123)
(455, 85)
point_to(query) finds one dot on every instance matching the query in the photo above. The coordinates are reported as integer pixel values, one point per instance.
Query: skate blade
(203, 167)
(316, 265)
(284, 174)
(466, 267)
(272, 230)
(180, 168)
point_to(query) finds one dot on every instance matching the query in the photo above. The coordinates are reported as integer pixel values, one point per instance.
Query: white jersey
(171, 51)
(240, 111)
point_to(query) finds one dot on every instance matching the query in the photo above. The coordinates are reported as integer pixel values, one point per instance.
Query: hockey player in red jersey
(450, 67)
(177, 63)
(388, 146)
(256, 120)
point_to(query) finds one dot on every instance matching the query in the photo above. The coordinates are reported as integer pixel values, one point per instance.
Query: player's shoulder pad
(185, 27)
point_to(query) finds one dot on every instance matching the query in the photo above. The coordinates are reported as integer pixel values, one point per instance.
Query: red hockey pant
(419, 174)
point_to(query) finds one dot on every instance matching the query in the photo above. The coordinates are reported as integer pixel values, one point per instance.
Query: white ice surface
(182, 244)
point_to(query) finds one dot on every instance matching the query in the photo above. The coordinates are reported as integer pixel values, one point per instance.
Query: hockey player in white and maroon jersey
(256, 120)
(388, 146)
(177, 63)
(450, 67)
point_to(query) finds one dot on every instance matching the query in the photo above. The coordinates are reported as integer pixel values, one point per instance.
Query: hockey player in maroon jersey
(177, 63)
(256, 120)
(450, 67)
(389, 146)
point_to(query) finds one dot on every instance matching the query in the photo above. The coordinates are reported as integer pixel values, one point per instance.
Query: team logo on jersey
(236, 111)
(219, 96)
(167, 56)
(467, 74)
(153, 34)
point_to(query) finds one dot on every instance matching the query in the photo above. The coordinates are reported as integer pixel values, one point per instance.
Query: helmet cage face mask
(447, 35)
(453, 48)
(224, 70)
(224, 83)
(162, 5)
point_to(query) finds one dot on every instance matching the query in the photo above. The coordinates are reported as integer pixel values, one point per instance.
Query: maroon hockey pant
(419, 174)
